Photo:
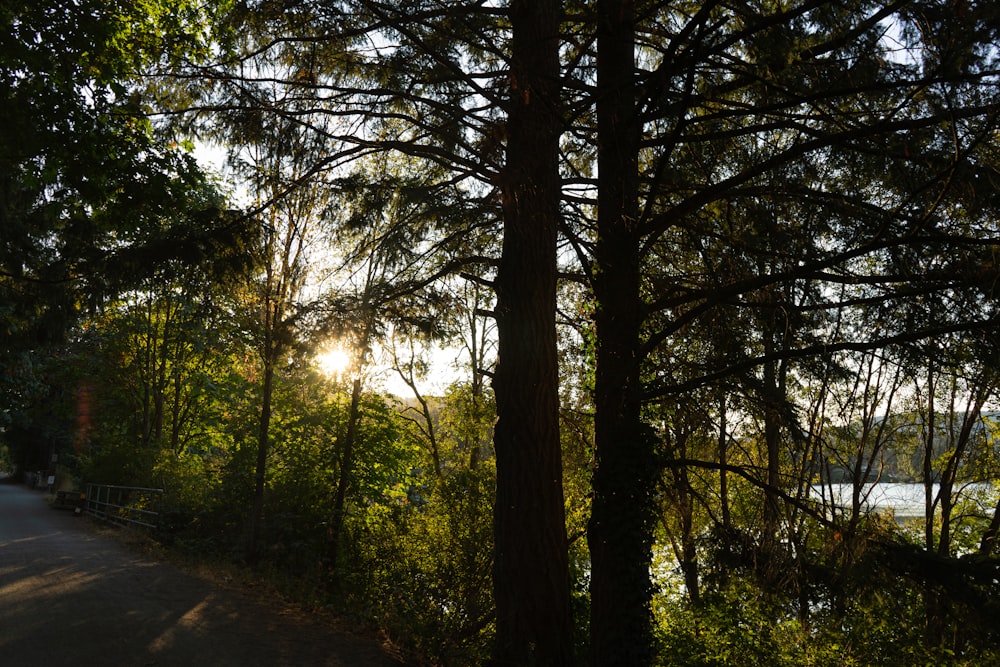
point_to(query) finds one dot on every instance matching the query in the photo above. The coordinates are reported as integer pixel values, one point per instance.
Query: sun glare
(333, 361)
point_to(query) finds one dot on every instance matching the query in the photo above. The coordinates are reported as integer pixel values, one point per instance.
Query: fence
(134, 505)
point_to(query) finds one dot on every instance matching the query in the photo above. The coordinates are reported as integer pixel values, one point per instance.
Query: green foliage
(815, 179)
(465, 425)
(730, 630)
(92, 199)
(842, 600)
(424, 569)
(308, 428)
(419, 562)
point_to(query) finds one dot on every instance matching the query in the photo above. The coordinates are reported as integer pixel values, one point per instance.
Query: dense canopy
(709, 274)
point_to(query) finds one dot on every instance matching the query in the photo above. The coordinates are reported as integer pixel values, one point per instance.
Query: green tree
(441, 91)
(385, 281)
(765, 165)
(531, 561)
(276, 298)
(777, 112)
(92, 196)
(84, 175)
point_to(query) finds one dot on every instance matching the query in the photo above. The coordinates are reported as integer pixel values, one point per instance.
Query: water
(904, 501)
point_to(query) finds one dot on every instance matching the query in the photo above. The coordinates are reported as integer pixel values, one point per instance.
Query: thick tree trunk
(531, 569)
(620, 530)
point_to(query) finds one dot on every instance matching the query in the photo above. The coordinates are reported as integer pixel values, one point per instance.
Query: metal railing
(134, 505)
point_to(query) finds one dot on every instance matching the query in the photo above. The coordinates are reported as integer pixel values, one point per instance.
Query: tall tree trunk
(934, 628)
(949, 476)
(620, 530)
(263, 441)
(531, 570)
(727, 520)
(772, 443)
(685, 506)
(343, 482)
(928, 462)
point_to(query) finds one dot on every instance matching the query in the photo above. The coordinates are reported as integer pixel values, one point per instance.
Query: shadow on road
(70, 596)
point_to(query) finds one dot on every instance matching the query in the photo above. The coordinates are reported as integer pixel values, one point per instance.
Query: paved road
(71, 596)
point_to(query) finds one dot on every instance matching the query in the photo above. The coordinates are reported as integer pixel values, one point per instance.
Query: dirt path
(71, 596)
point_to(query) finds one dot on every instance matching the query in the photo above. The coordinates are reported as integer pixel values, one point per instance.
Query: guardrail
(134, 505)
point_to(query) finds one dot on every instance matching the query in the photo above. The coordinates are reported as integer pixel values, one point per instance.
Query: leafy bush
(424, 569)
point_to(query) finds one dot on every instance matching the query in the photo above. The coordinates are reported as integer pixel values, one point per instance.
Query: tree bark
(346, 463)
(531, 571)
(263, 441)
(620, 530)
(934, 626)
(685, 507)
(727, 520)
(987, 547)
(772, 441)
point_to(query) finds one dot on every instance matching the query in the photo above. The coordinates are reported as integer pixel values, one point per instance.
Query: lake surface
(905, 501)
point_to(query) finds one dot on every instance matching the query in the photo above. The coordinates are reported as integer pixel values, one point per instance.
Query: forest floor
(75, 592)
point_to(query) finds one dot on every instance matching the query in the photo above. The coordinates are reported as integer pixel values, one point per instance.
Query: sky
(441, 361)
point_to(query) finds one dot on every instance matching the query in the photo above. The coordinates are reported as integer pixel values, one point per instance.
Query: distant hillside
(901, 455)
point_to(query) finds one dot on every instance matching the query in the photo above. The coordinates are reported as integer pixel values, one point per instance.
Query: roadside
(72, 592)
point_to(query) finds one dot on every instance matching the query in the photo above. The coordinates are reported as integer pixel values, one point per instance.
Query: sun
(333, 361)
